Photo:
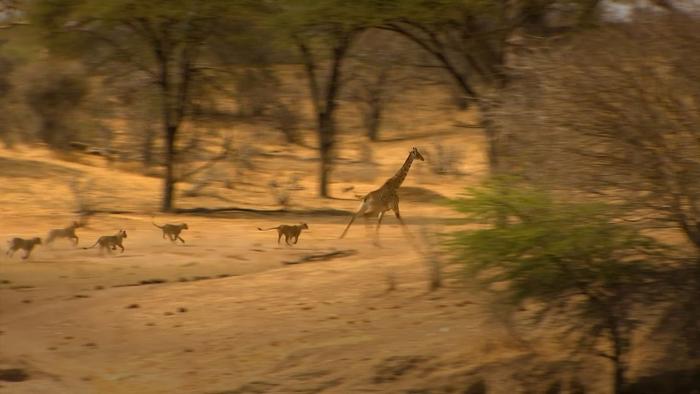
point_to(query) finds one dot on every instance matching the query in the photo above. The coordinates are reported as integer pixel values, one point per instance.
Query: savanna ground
(227, 312)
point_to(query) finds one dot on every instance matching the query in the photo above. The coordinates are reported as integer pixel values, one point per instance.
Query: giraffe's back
(380, 200)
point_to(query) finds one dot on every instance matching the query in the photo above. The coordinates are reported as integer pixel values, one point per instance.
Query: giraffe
(386, 197)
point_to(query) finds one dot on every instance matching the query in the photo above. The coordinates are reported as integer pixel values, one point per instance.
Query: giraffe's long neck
(398, 178)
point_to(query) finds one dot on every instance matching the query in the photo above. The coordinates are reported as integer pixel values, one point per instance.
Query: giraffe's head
(416, 154)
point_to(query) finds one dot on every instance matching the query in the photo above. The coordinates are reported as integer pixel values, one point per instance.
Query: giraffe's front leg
(404, 227)
(375, 241)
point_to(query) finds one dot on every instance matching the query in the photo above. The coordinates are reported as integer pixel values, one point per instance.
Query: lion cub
(25, 244)
(110, 242)
(290, 232)
(173, 231)
(66, 232)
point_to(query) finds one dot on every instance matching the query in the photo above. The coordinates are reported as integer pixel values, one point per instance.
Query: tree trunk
(326, 132)
(492, 138)
(325, 102)
(619, 378)
(373, 120)
(617, 358)
(169, 179)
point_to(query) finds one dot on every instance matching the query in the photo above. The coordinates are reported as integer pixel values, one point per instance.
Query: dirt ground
(225, 312)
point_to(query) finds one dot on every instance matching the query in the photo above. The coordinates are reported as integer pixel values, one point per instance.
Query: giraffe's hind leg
(361, 211)
(376, 232)
(405, 228)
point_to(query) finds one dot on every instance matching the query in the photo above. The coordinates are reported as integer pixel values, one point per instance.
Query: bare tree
(377, 74)
(176, 46)
(615, 113)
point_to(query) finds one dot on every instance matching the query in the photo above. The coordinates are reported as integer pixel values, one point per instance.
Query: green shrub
(573, 260)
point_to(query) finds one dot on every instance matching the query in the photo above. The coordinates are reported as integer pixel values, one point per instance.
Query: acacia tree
(378, 74)
(5, 88)
(324, 31)
(472, 41)
(574, 264)
(171, 43)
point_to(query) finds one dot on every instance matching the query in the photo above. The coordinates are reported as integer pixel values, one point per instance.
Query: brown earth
(223, 313)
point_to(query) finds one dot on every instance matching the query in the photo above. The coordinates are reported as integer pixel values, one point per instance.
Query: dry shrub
(82, 189)
(280, 192)
(55, 95)
(378, 77)
(286, 118)
(444, 159)
(244, 159)
(256, 90)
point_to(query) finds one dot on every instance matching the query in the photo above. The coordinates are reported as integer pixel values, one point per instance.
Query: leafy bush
(571, 259)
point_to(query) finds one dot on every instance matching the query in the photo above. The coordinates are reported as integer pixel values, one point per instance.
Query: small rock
(182, 310)
(133, 306)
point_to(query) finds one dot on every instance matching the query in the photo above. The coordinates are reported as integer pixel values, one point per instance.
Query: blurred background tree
(174, 45)
(473, 42)
(57, 98)
(624, 103)
(324, 33)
